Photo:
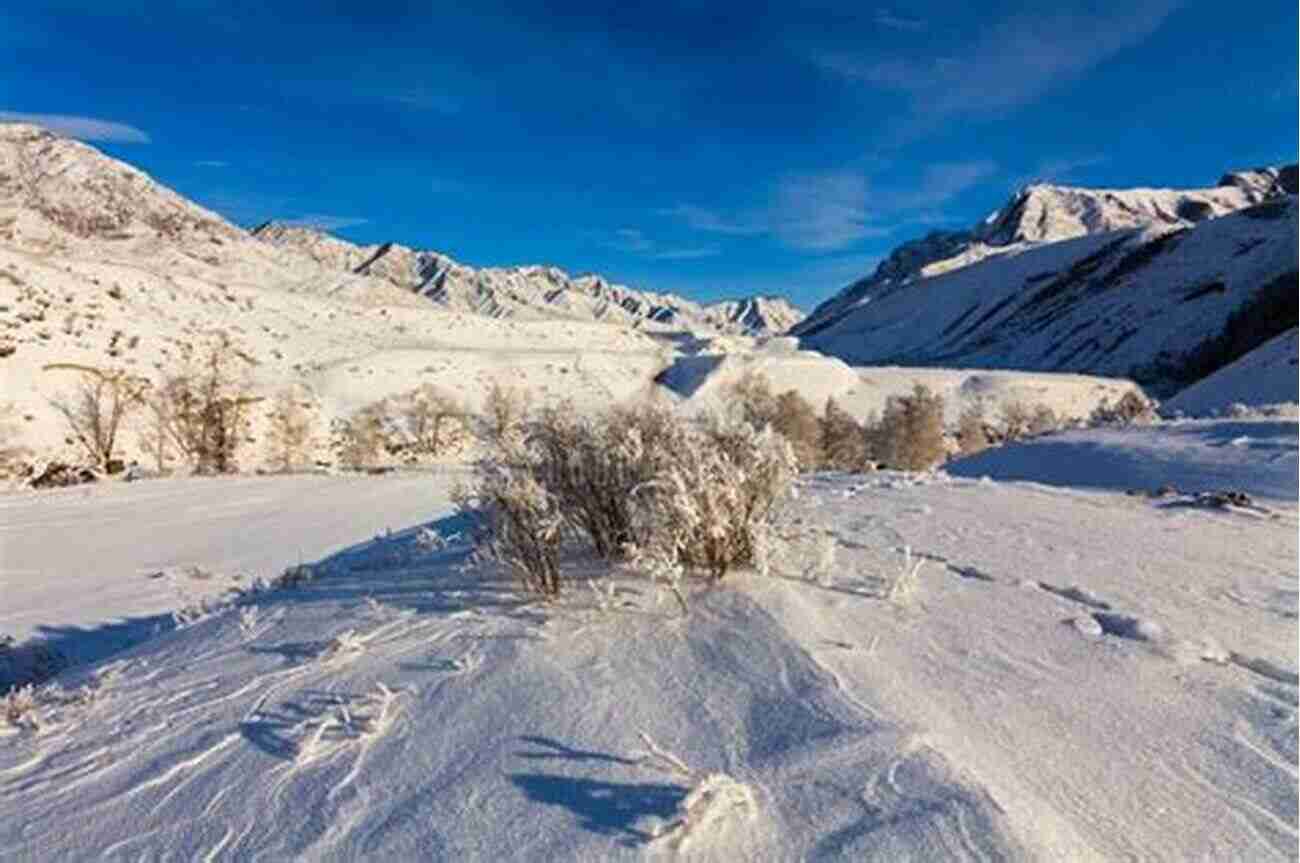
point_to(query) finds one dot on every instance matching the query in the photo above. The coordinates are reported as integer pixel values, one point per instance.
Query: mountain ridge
(531, 289)
(1043, 213)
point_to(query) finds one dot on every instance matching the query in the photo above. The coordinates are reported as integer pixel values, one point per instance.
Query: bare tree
(1043, 421)
(360, 437)
(1016, 420)
(206, 406)
(796, 421)
(972, 429)
(751, 399)
(433, 420)
(96, 411)
(289, 429)
(12, 453)
(504, 410)
(843, 439)
(910, 435)
(155, 433)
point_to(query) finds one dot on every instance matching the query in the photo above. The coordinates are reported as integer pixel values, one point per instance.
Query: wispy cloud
(1060, 168)
(886, 18)
(633, 241)
(830, 211)
(822, 212)
(703, 219)
(1012, 62)
(940, 183)
(687, 253)
(84, 128)
(323, 222)
(211, 163)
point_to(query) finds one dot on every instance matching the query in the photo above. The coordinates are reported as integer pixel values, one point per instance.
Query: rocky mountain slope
(1131, 282)
(530, 291)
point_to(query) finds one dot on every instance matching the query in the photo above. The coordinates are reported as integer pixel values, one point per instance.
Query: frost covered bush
(430, 421)
(1016, 420)
(750, 399)
(595, 465)
(843, 439)
(910, 433)
(520, 522)
(359, 438)
(712, 506)
(504, 412)
(288, 430)
(1132, 408)
(972, 430)
(638, 483)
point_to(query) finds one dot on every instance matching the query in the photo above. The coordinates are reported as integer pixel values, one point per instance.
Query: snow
(1257, 457)
(1265, 376)
(1117, 304)
(1070, 675)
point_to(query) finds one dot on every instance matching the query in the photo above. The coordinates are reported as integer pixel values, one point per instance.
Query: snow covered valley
(1011, 667)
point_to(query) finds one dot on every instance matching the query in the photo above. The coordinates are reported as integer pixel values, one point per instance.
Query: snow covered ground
(1070, 675)
(1254, 456)
(1267, 375)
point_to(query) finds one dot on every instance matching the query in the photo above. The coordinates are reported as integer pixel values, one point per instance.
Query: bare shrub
(1043, 421)
(432, 420)
(750, 398)
(843, 439)
(1133, 407)
(710, 508)
(155, 431)
(1016, 420)
(289, 429)
(521, 523)
(205, 407)
(504, 412)
(13, 455)
(359, 438)
(595, 466)
(638, 482)
(910, 434)
(972, 431)
(796, 421)
(94, 415)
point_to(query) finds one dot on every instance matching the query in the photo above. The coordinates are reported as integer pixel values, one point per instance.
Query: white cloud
(1011, 62)
(633, 241)
(940, 183)
(211, 163)
(830, 211)
(1058, 169)
(687, 253)
(84, 128)
(822, 212)
(702, 219)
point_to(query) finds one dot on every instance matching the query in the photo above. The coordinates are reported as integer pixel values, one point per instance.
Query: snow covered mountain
(530, 291)
(1135, 282)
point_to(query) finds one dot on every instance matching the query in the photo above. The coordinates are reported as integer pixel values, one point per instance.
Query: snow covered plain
(1070, 675)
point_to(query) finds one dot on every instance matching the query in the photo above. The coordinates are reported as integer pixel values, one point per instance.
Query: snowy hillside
(1068, 675)
(1267, 375)
(1043, 213)
(102, 267)
(530, 292)
(1146, 303)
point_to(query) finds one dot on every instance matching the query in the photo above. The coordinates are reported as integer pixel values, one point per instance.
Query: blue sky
(707, 148)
